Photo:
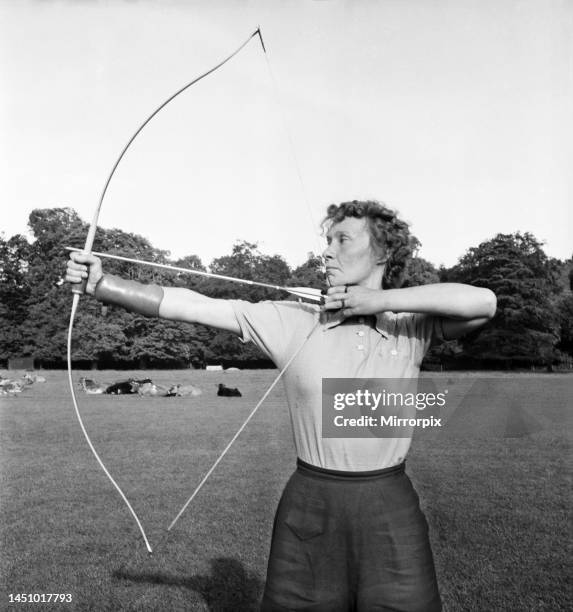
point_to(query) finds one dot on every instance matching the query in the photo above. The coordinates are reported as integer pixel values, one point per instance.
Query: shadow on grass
(228, 588)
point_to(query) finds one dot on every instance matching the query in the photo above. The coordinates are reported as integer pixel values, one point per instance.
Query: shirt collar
(334, 318)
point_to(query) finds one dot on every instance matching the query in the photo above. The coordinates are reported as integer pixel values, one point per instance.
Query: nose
(328, 252)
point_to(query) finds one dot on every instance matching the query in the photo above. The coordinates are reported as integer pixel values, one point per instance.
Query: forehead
(350, 225)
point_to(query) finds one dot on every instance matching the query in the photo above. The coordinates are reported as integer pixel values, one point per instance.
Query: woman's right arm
(175, 304)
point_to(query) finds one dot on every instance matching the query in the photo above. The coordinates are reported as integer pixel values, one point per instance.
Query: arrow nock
(258, 31)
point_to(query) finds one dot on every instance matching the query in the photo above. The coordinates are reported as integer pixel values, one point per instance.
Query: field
(497, 496)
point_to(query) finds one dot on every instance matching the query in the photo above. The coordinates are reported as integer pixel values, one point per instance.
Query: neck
(374, 281)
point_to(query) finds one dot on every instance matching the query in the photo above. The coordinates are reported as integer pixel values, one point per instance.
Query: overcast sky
(457, 113)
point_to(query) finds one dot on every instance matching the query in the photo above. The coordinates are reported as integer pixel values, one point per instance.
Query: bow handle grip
(80, 288)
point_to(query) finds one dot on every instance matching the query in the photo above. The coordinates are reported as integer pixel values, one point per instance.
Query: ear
(382, 256)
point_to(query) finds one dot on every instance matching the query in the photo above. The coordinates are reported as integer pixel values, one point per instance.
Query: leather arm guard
(131, 295)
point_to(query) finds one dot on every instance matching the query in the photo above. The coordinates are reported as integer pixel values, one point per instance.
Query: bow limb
(84, 431)
(77, 291)
(80, 288)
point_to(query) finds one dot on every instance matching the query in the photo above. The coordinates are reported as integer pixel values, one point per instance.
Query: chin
(333, 279)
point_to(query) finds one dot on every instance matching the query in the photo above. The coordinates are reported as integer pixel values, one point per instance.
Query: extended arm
(176, 304)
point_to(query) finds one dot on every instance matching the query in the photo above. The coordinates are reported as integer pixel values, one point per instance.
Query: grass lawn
(498, 507)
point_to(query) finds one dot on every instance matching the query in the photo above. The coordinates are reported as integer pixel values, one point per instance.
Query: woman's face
(350, 258)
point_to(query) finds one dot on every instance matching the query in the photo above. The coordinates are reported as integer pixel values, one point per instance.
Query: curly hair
(388, 232)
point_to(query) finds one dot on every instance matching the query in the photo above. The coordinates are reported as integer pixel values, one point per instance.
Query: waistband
(318, 472)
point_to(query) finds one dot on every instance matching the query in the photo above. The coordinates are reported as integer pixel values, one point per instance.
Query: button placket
(389, 352)
(360, 333)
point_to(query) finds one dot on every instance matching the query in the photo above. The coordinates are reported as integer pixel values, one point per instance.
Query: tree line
(533, 325)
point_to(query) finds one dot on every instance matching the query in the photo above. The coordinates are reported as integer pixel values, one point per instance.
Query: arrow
(307, 293)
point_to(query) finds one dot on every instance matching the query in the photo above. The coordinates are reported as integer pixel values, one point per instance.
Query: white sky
(457, 113)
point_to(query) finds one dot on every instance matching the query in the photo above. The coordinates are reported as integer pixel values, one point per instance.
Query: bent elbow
(490, 303)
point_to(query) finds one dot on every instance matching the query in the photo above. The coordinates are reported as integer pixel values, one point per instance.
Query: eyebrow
(338, 233)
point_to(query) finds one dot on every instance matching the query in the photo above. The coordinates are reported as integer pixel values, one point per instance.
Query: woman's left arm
(463, 308)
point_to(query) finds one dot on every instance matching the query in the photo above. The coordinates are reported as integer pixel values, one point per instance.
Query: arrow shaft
(233, 279)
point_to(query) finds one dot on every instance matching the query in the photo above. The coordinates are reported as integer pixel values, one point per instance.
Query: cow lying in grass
(224, 391)
(184, 390)
(90, 387)
(144, 387)
(11, 386)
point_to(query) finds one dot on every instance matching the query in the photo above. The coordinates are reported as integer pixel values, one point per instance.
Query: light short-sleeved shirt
(388, 345)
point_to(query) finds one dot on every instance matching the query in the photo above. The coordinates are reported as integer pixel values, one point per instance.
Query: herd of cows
(144, 387)
(147, 388)
(12, 386)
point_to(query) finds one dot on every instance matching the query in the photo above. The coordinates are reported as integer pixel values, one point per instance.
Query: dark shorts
(350, 541)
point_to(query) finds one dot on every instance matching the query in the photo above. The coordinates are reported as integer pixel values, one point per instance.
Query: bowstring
(298, 350)
(279, 103)
(245, 423)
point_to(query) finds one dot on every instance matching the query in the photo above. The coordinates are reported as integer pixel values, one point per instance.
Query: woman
(348, 533)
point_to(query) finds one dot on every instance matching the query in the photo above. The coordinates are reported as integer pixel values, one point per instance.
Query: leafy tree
(159, 343)
(526, 282)
(565, 273)
(145, 342)
(419, 271)
(190, 281)
(44, 332)
(101, 334)
(564, 308)
(310, 273)
(565, 318)
(97, 339)
(246, 262)
(14, 293)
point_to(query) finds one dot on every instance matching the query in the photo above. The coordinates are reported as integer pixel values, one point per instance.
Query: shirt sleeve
(428, 329)
(274, 326)
(422, 329)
